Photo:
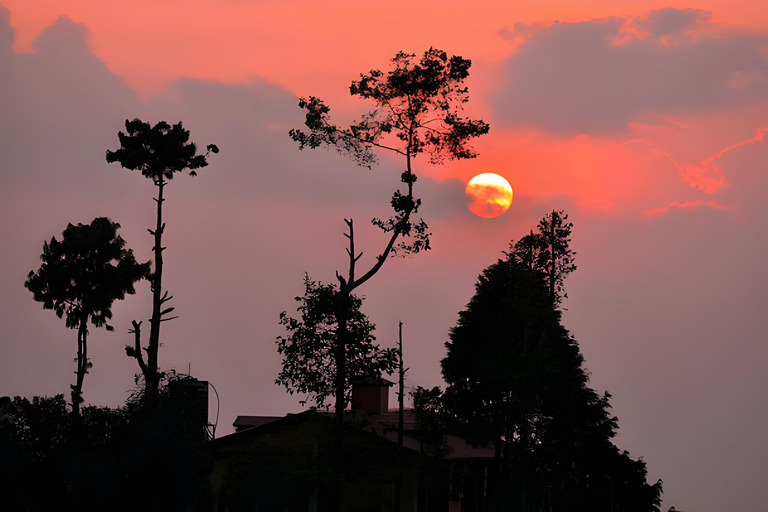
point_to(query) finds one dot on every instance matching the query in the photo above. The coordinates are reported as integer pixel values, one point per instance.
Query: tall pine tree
(516, 380)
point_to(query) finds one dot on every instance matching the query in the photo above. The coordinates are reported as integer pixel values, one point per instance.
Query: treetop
(417, 101)
(85, 272)
(158, 151)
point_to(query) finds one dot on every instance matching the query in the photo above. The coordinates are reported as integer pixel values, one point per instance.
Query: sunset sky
(644, 120)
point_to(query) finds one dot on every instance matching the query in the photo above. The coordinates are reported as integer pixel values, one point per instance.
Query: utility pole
(401, 402)
(401, 394)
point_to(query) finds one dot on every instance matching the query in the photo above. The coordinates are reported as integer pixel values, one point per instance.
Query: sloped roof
(382, 426)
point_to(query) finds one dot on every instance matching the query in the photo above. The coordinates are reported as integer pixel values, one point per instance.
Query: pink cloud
(685, 205)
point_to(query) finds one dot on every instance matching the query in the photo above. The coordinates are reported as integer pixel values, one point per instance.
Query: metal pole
(401, 397)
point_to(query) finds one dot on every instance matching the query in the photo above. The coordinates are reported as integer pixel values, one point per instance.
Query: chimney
(371, 395)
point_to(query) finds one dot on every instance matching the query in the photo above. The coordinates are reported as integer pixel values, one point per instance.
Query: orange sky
(303, 43)
(313, 48)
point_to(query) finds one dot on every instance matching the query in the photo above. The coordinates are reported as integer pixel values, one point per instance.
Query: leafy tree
(80, 277)
(309, 365)
(548, 251)
(429, 410)
(42, 425)
(46, 447)
(158, 152)
(417, 109)
(516, 379)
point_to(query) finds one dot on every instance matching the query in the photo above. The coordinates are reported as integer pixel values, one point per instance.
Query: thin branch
(382, 146)
(425, 123)
(433, 130)
(398, 115)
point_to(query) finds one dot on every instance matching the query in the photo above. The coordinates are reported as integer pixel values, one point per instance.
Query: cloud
(7, 34)
(597, 76)
(671, 22)
(686, 205)
(489, 200)
(59, 104)
(705, 176)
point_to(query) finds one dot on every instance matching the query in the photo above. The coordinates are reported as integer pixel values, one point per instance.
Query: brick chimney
(371, 395)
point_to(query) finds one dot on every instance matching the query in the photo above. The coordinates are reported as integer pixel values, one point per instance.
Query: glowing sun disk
(491, 195)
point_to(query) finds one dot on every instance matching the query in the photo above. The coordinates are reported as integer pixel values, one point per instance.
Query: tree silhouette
(158, 152)
(309, 365)
(417, 110)
(502, 355)
(548, 251)
(80, 277)
(516, 379)
(142, 456)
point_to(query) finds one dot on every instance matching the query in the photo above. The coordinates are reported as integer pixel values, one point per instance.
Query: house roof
(383, 426)
(243, 422)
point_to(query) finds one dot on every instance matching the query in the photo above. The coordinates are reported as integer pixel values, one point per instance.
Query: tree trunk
(82, 365)
(341, 362)
(401, 384)
(152, 376)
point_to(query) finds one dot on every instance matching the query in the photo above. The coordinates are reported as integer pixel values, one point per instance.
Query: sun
(491, 195)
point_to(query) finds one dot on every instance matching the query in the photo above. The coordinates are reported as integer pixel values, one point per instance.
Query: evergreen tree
(516, 380)
(548, 251)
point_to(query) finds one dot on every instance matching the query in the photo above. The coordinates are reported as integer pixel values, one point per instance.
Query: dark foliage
(80, 277)
(140, 457)
(309, 365)
(516, 380)
(429, 409)
(417, 109)
(170, 452)
(548, 252)
(158, 152)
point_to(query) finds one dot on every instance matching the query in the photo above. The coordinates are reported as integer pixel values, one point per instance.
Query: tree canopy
(309, 366)
(548, 251)
(417, 109)
(79, 279)
(158, 151)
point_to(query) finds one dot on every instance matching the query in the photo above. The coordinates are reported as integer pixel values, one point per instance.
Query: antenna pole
(401, 394)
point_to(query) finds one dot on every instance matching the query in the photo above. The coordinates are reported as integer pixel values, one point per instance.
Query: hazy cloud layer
(597, 76)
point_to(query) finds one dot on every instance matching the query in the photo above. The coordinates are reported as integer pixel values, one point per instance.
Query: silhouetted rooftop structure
(273, 459)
